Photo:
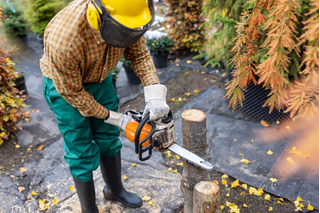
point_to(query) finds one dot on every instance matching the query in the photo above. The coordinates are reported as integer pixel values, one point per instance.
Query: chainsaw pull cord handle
(139, 149)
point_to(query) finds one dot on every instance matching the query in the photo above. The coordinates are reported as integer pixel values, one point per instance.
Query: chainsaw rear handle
(139, 149)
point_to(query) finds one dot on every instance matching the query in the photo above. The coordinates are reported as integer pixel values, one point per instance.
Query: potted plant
(20, 83)
(14, 24)
(114, 74)
(131, 75)
(159, 49)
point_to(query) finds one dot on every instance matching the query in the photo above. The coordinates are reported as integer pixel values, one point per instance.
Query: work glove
(155, 98)
(118, 119)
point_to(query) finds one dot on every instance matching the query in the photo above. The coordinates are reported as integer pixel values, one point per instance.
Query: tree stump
(194, 133)
(206, 197)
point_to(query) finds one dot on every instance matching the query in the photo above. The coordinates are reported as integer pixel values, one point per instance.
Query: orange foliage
(266, 39)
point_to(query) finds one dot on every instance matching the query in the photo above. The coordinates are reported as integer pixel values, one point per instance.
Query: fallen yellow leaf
(173, 99)
(251, 141)
(269, 152)
(180, 164)
(309, 207)
(189, 61)
(216, 182)
(21, 188)
(178, 157)
(175, 171)
(125, 177)
(17, 146)
(221, 207)
(72, 188)
(196, 91)
(224, 182)
(43, 204)
(246, 161)
(245, 205)
(291, 161)
(270, 209)
(150, 203)
(245, 186)
(134, 164)
(267, 197)
(240, 155)
(243, 193)
(234, 184)
(146, 198)
(40, 147)
(23, 169)
(55, 201)
(279, 202)
(224, 176)
(259, 192)
(235, 140)
(252, 190)
(264, 123)
(298, 209)
(273, 180)
(228, 195)
(34, 193)
(170, 169)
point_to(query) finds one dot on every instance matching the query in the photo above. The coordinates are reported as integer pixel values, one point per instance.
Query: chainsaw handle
(139, 149)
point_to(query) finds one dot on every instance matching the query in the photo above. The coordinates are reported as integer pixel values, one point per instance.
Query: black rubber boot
(111, 173)
(86, 194)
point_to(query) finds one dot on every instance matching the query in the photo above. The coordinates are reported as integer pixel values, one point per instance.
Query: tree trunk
(206, 197)
(194, 133)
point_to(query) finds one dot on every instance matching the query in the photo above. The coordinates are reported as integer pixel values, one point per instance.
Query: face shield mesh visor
(118, 35)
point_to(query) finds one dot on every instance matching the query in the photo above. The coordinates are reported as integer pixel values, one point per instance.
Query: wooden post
(206, 197)
(194, 133)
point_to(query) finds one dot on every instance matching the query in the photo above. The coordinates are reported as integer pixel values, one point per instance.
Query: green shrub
(160, 46)
(184, 19)
(15, 25)
(11, 102)
(223, 17)
(39, 13)
(125, 62)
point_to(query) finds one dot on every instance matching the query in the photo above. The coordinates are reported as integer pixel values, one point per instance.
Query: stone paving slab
(230, 133)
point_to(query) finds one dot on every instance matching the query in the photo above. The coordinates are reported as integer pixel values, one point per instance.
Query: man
(82, 44)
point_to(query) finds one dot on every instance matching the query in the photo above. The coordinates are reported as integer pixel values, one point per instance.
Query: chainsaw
(146, 135)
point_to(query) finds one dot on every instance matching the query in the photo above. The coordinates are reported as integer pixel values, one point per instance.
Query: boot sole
(113, 198)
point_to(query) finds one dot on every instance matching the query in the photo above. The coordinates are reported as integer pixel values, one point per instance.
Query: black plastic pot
(160, 61)
(131, 75)
(21, 85)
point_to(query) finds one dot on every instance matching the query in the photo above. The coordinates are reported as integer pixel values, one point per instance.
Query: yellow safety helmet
(121, 22)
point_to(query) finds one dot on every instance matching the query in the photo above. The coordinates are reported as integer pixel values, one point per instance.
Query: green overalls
(85, 138)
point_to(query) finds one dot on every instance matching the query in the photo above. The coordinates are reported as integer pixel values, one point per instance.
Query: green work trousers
(85, 138)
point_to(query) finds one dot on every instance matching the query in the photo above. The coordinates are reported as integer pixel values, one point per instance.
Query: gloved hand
(155, 98)
(118, 119)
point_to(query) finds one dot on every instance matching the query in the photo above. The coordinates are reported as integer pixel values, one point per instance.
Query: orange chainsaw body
(131, 129)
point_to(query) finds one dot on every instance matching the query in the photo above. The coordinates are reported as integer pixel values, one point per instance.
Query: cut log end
(207, 187)
(193, 115)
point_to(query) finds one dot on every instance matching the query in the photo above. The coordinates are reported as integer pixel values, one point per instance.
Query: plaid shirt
(75, 54)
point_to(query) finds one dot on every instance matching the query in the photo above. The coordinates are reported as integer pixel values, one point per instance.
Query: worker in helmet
(82, 44)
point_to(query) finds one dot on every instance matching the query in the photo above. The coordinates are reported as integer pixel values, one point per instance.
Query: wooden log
(194, 133)
(206, 197)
